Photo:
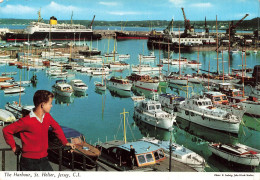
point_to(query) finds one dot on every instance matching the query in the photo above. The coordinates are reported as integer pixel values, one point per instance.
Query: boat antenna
(71, 18)
(124, 124)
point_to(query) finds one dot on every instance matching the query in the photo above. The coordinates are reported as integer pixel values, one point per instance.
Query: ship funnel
(53, 20)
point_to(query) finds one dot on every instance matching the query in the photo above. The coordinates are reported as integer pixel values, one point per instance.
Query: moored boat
(83, 149)
(6, 116)
(62, 88)
(180, 153)
(78, 85)
(119, 83)
(17, 110)
(238, 153)
(199, 110)
(145, 82)
(151, 113)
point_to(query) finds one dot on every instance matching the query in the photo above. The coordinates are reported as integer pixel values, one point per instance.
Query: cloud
(58, 8)
(177, 3)
(202, 5)
(18, 10)
(108, 3)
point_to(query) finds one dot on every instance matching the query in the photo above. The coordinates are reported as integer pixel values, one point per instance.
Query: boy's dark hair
(41, 96)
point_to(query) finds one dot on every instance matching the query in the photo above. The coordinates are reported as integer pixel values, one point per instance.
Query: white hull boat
(6, 116)
(14, 90)
(151, 113)
(18, 111)
(119, 83)
(238, 153)
(78, 85)
(180, 153)
(62, 88)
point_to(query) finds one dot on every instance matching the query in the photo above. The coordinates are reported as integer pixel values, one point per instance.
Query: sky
(130, 10)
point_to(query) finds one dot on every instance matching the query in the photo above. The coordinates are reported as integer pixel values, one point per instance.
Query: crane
(92, 21)
(233, 27)
(168, 28)
(186, 24)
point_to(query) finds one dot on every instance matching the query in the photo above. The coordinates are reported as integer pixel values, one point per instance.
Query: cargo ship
(127, 35)
(38, 31)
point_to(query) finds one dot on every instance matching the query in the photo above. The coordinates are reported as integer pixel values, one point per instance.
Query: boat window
(161, 154)
(217, 99)
(203, 103)
(224, 97)
(149, 158)
(141, 159)
(156, 155)
(151, 107)
(158, 106)
(199, 103)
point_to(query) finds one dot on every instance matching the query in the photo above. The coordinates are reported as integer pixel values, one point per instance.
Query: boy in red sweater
(33, 130)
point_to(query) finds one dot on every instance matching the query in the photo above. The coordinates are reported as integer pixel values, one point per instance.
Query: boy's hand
(72, 146)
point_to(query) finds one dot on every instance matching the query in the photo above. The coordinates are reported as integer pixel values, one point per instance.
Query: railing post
(84, 163)
(96, 166)
(72, 161)
(18, 162)
(60, 158)
(3, 160)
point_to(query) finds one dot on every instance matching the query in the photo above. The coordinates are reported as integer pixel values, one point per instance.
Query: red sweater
(34, 135)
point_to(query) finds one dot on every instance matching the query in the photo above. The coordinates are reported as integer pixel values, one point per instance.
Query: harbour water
(97, 115)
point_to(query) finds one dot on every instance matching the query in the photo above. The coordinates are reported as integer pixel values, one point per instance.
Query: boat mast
(208, 75)
(217, 42)
(222, 65)
(229, 51)
(243, 85)
(168, 56)
(124, 124)
(179, 52)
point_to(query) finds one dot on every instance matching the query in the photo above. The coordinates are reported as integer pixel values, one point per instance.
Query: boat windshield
(145, 158)
(224, 98)
(158, 106)
(217, 99)
(151, 107)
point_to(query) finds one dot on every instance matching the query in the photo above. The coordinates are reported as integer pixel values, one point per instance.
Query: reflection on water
(206, 133)
(63, 99)
(80, 94)
(118, 92)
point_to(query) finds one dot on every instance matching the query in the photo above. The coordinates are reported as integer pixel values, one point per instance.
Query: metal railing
(60, 164)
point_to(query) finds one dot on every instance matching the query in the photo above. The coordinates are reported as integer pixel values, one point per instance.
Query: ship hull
(54, 36)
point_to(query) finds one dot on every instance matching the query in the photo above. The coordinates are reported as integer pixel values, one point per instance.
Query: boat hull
(124, 87)
(252, 108)
(250, 161)
(165, 123)
(209, 122)
(55, 36)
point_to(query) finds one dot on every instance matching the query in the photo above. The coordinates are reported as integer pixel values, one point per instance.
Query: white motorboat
(237, 153)
(100, 86)
(220, 100)
(6, 116)
(151, 56)
(118, 64)
(199, 110)
(119, 83)
(100, 71)
(124, 56)
(145, 68)
(62, 88)
(78, 85)
(17, 110)
(14, 90)
(180, 153)
(145, 82)
(150, 112)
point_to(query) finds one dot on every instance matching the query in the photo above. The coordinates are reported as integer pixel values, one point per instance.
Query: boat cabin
(217, 97)
(200, 102)
(146, 153)
(150, 105)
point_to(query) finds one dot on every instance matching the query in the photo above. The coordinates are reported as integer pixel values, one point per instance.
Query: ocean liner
(53, 31)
